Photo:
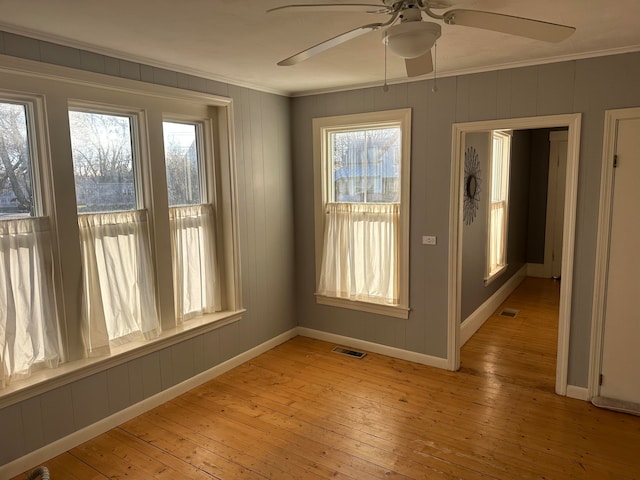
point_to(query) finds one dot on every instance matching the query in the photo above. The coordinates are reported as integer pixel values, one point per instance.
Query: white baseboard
(474, 321)
(60, 446)
(579, 393)
(375, 348)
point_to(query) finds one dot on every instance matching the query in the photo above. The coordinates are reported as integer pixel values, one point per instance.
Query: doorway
(572, 123)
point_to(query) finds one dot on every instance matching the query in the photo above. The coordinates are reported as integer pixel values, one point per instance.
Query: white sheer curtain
(196, 286)
(119, 298)
(359, 260)
(29, 335)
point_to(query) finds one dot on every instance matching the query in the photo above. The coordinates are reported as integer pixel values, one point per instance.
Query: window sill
(495, 275)
(43, 380)
(397, 311)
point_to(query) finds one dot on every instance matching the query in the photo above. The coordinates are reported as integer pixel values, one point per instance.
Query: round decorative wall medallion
(471, 185)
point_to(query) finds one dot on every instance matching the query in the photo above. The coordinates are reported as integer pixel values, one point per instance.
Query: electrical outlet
(429, 240)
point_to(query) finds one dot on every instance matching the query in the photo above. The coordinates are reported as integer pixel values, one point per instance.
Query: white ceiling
(236, 41)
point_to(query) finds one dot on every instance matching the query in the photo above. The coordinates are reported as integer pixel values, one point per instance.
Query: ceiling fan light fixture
(412, 39)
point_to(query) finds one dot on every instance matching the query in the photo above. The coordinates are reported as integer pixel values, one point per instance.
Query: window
(196, 286)
(118, 277)
(362, 211)
(29, 333)
(16, 189)
(498, 204)
(99, 213)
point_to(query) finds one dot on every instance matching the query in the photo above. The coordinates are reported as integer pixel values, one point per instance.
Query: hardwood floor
(520, 350)
(300, 411)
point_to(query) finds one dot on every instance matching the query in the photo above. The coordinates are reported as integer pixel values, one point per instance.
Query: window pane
(366, 165)
(181, 159)
(16, 182)
(347, 152)
(102, 162)
(496, 173)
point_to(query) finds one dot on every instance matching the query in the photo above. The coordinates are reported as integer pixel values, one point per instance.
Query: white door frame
(573, 123)
(611, 119)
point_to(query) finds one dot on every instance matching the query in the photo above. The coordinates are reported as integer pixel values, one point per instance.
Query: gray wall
(587, 86)
(474, 236)
(266, 242)
(425, 330)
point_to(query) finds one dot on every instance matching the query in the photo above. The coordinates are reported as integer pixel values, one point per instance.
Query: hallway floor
(520, 350)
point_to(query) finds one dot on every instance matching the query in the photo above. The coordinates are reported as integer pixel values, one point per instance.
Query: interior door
(556, 185)
(620, 366)
(557, 172)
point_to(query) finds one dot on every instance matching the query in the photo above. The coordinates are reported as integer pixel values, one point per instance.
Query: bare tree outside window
(16, 182)
(181, 158)
(102, 162)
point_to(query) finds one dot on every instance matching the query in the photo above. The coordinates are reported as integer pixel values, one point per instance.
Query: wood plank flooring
(302, 412)
(520, 350)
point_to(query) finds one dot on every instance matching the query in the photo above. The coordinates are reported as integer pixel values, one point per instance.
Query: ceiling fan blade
(420, 65)
(327, 44)
(523, 27)
(332, 7)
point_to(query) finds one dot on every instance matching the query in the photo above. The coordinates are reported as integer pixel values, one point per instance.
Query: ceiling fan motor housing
(412, 39)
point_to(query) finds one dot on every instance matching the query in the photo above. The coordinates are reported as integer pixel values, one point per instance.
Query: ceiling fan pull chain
(435, 68)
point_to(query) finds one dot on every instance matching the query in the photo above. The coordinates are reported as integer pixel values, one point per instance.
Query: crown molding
(471, 71)
(121, 55)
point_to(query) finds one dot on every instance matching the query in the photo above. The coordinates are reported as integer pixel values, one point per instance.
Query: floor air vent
(348, 352)
(509, 312)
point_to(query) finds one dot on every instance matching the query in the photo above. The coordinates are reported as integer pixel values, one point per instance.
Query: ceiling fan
(408, 36)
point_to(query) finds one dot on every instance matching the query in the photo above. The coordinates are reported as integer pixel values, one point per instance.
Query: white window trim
(207, 154)
(34, 108)
(489, 276)
(53, 88)
(322, 188)
(40, 155)
(139, 146)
